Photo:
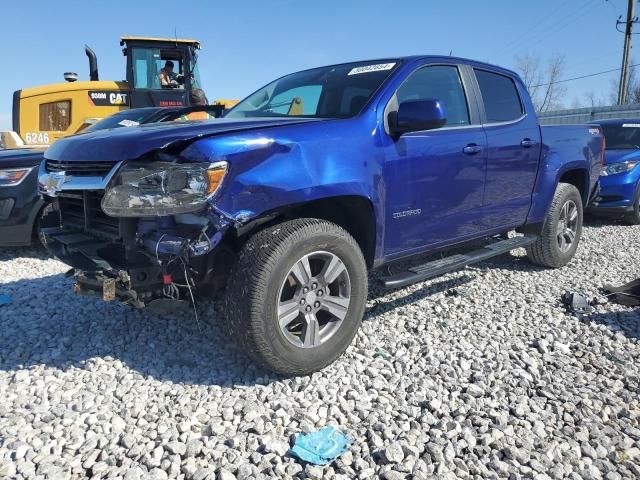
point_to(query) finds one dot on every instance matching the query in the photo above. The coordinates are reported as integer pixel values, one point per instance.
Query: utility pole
(628, 31)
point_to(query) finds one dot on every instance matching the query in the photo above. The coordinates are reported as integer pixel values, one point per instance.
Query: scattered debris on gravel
(480, 373)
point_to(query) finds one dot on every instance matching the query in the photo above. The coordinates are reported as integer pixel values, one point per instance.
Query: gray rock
(204, 474)
(225, 475)
(314, 472)
(156, 474)
(175, 447)
(193, 448)
(7, 470)
(393, 453)
(393, 475)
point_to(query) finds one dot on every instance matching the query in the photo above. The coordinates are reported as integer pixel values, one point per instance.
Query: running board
(455, 262)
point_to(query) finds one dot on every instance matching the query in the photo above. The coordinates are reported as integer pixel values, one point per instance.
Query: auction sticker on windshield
(371, 68)
(128, 123)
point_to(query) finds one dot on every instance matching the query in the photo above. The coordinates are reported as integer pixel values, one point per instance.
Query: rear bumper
(19, 209)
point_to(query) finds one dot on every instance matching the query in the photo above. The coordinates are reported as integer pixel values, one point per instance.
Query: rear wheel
(562, 229)
(296, 296)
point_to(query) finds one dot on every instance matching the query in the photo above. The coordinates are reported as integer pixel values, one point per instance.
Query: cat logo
(109, 99)
(118, 99)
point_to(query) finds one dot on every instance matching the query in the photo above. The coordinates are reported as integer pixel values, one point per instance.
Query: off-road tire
(254, 285)
(546, 251)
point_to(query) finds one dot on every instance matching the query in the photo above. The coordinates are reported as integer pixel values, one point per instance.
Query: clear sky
(247, 43)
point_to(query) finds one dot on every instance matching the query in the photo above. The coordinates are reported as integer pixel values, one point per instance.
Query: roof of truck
(444, 58)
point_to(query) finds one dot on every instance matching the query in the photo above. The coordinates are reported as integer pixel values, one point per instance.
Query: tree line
(541, 77)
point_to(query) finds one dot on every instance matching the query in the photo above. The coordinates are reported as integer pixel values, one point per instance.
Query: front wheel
(562, 229)
(296, 297)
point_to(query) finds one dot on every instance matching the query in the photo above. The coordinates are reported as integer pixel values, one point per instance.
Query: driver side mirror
(417, 115)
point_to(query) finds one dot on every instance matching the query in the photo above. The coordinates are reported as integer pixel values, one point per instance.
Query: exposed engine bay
(147, 239)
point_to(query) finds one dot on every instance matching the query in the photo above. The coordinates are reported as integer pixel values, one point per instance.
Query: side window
(296, 101)
(146, 73)
(500, 96)
(440, 82)
(55, 116)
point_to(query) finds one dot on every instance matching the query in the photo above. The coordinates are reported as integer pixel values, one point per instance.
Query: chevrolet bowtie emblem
(54, 182)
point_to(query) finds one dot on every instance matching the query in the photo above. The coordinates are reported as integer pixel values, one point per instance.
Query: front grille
(82, 211)
(95, 169)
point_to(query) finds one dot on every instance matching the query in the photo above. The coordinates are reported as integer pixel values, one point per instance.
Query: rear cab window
(500, 96)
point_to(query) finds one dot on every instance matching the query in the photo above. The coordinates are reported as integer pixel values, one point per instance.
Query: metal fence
(589, 114)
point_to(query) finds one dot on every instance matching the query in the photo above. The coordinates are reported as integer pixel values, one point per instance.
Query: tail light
(604, 146)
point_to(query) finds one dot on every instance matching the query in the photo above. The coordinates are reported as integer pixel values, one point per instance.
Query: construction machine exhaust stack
(93, 64)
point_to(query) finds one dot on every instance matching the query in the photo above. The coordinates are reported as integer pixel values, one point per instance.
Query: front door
(435, 178)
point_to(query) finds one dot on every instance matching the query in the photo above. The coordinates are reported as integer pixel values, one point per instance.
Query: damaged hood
(132, 142)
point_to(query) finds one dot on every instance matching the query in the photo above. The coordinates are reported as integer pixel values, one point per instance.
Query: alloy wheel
(314, 299)
(567, 226)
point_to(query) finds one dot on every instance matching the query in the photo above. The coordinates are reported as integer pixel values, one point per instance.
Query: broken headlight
(162, 188)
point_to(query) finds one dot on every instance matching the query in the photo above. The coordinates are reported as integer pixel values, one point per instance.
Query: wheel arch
(579, 178)
(354, 213)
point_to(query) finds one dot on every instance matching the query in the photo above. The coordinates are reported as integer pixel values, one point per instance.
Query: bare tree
(542, 80)
(591, 100)
(633, 88)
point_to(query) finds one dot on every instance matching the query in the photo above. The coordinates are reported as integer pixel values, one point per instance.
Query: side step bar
(455, 262)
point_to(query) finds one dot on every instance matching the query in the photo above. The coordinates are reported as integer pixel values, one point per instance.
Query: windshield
(125, 118)
(623, 136)
(337, 91)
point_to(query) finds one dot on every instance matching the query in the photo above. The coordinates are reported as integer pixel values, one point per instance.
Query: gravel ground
(478, 374)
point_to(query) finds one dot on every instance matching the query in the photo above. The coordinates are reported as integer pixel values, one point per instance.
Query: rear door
(513, 140)
(435, 178)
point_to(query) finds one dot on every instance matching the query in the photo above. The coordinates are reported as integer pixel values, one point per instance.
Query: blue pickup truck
(310, 182)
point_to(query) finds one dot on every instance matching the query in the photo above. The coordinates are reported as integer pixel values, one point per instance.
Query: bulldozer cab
(42, 114)
(161, 72)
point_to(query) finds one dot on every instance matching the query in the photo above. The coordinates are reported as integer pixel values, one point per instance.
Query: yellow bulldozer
(43, 114)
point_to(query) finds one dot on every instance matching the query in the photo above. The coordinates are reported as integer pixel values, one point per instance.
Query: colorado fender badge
(407, 213)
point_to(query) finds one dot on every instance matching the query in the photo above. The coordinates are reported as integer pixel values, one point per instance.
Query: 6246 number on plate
(36, 138)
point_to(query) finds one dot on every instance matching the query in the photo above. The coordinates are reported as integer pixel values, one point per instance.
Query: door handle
(472, 149)
(527, 143)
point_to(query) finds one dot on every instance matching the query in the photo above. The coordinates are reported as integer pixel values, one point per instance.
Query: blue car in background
(620, 178)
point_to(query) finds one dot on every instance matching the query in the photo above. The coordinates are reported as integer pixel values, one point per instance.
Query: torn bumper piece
(108, 288)
(98, 269)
